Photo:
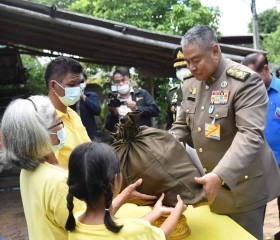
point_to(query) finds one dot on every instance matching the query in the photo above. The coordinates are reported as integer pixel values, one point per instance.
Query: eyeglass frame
(61, 122)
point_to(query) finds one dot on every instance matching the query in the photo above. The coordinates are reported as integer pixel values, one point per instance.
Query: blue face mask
(61, 135)
(72, 95)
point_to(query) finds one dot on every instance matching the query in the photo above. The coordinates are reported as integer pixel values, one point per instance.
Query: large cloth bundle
(159, 159)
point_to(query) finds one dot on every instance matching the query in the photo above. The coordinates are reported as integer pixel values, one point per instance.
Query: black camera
(114, 101)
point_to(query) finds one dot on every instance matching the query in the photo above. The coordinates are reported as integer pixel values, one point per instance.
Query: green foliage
(268, 21)
(59, 3)
(271, 44)
(35, 75)
(169, 16)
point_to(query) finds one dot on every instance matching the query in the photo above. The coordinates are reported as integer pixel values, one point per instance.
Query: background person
(175, 94)
(63, 76)
(136, 99)
(259, 63)
(88, 107)
(224, 110)
(95, 177)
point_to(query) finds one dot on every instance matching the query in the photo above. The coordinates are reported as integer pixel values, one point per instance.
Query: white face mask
(123, 89)
(72, 95)
(61, 135)
(181, 73)
(83, 86)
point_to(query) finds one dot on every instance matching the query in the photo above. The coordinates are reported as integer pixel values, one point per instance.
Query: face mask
(181, 73)
(83, 85)
(72, 95)
(123, 89)
(61, 135)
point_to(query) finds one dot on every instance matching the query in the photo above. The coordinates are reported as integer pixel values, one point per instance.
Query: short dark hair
(258, 60)
(92, 169)
(59, 67)
(122, 71)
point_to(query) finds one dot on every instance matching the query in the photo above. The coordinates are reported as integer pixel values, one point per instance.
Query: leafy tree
(271, 44)
(59, 3)
(268, 21)
(169, 16)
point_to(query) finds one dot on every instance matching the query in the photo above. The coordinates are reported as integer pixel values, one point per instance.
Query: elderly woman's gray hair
(24, 128)
(202, 36)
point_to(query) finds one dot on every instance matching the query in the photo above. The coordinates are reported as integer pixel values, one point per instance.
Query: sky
(236, 14)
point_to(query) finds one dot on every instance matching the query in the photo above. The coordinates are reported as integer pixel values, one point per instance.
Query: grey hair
(202, 36)
(24, 129)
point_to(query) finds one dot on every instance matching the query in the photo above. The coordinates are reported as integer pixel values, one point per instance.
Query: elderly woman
(31, 131)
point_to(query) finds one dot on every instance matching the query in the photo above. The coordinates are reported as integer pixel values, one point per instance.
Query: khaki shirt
(241, 158)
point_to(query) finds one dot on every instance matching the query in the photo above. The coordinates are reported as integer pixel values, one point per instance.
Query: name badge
(213, 131)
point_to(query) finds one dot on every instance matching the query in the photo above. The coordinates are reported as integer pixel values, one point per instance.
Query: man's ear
(52, 85)
(215, 49)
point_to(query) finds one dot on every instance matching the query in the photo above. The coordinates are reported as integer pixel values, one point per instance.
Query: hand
(130, 195)
(180, 206)
(131, 104)
(83, 96)
(211, 184)
(160, 209)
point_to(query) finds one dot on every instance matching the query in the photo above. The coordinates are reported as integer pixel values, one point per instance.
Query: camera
(114, 101)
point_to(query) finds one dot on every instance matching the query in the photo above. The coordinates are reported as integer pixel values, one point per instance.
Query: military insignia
(211, 109)
(224, 84)
(194, 91)
(138, 98)
(188, 75)
(238, 74)
(219, 97)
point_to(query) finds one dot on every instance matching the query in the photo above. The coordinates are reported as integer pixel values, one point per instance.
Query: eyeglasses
(56, 125)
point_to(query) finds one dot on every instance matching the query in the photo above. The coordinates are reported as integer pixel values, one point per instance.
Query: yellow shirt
(133, 229)
(76, 134)
(43, 193)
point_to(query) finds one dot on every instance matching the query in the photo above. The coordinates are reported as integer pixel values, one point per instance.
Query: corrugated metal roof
(99, 41)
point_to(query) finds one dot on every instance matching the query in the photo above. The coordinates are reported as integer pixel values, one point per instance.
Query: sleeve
(150, 108)
(250, 106)
(92, 103)
(56, 198)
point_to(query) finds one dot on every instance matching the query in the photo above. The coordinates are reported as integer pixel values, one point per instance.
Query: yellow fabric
(133, 229)
(43, 193)
(203, 223)
(76, 134)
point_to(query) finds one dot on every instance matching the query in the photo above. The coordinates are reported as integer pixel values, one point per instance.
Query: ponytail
(109, 223)
(70, 223)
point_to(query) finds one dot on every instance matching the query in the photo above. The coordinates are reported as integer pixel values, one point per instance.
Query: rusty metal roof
(36, 27)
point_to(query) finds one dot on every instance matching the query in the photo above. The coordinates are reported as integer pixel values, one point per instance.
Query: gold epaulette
(238, 74)
(188, 75)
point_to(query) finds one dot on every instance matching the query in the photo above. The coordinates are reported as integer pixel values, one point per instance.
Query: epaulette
(187, 76)
(238, 74)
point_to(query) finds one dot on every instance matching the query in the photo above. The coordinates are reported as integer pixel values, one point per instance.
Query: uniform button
(187, 110)
(199, 129)
(246, 177)
(200, 150)
(205, 170)
(217, 115)
(206, 87)
(202, 108)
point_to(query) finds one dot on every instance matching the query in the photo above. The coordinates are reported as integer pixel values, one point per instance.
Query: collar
(275, 84)
(217, 74)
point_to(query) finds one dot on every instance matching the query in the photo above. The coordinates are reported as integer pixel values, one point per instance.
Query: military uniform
(225, 116)
(175, 101)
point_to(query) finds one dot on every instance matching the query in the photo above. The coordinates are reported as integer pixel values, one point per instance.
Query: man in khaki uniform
(224, 111)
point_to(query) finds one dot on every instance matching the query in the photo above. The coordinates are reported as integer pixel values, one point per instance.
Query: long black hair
(92, 169)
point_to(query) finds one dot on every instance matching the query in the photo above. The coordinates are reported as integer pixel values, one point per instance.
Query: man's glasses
(56, 125)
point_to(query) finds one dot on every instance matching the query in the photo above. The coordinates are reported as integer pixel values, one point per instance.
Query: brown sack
(159, 159)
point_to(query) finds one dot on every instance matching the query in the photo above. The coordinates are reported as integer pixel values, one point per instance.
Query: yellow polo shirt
(76, 134)
(43, 193)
